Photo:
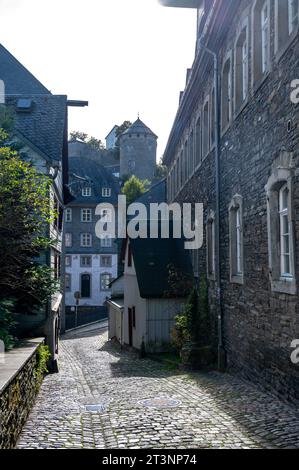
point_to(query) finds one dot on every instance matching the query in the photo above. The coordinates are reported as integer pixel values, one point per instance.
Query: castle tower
(138, 150)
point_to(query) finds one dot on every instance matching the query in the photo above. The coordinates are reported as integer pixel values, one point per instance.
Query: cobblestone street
(214, 410)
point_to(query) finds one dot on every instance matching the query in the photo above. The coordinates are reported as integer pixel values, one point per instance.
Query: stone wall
(259, 324)
(18, 390)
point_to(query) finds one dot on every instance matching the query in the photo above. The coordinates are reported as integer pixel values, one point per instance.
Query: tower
(138, 150)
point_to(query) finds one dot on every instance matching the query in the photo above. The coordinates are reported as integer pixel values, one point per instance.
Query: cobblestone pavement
(215, 410)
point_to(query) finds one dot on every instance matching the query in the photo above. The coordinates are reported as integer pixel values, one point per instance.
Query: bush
(43, 356)
(180, 334)
(7, 323)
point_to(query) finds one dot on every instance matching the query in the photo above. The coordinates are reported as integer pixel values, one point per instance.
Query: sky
(122, 56)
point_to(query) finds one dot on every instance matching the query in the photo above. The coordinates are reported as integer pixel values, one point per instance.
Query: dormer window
(106, 192)
(86, 192)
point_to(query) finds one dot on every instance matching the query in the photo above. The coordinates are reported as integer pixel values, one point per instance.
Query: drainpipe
(221, 350)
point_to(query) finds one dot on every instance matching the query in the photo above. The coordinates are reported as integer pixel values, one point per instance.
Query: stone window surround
(279, 177)
(228, 58)
(210, 237)
(205, 139)
(68, 236)
(83, 245)
(69, 257)
(244, 24)
(236, 203)
(103, 265)
(280, 49)
(82, 265)
(256, 81)
(86, 213)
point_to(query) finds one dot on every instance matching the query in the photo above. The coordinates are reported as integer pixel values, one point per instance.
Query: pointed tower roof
(138, 127)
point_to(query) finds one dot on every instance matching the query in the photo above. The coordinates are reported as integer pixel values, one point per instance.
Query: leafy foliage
(95, 143)
(134, 188)
(25, 213)
(43, 356)
(6, 322)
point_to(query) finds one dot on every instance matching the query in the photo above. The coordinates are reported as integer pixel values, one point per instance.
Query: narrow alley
(103, 398)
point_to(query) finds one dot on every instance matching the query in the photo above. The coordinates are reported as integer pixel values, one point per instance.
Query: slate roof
(99, 177)
(152, 258)
(17, 78)
(43, 125)
(138, 127)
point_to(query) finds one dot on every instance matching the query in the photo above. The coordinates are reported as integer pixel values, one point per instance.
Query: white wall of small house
(114, 321)
(97, 297)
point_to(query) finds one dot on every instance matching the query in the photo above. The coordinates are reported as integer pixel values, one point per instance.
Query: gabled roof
(17, 79)
(43, 125)
(153, 259)
(113, 128)
(138, 127)
(81, 171)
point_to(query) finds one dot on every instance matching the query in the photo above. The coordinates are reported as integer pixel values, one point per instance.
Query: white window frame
(105, 243)
(86, 192)
(69, 258)
(103, 265)
(106, 192)
(68, 215)
(82, 264)
(293, 19)
(86, 240)
(285, 257)
(69, 277)
(86, 215)
(265, 25)
(68, 240)
(236, 244)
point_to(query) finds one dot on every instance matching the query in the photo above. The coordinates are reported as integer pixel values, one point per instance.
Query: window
(85, 261)
(86, 192)
(286, 21)
(293, 7)
(68, 282)
(106, 192)
(106, 261)
(198, 146)
(85, 286)
(261, 39)
(131, 165)
(206, 137)
(68, 215)
(241, 68)
(211, 246)
(265, 36)
(191, 153)
(68, 261)
(236, 239)
(68, 240)
(86, 240)
(86, 215)
(105, 281)
(226, 94)
(106, 242)
(285, 233)
(281, 227)
(56, 264)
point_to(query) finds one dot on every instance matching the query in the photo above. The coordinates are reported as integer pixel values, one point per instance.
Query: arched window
(198, 143)
(236, 239)
(226, 93)
(261, 39)
(241, 68)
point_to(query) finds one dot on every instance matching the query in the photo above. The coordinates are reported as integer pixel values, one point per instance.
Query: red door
(130, 312)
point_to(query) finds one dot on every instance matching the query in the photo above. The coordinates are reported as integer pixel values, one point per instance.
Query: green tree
(25, 214)
(134, 188)
(120, 129)
(95, 143)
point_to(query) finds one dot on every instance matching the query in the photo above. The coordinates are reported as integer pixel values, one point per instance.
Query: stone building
(90, 262)
(138, 151)
(234, 147)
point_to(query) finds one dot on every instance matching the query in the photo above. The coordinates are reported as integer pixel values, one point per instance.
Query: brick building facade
(252, 124)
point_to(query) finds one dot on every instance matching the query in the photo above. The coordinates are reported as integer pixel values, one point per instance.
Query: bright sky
(123, 56)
